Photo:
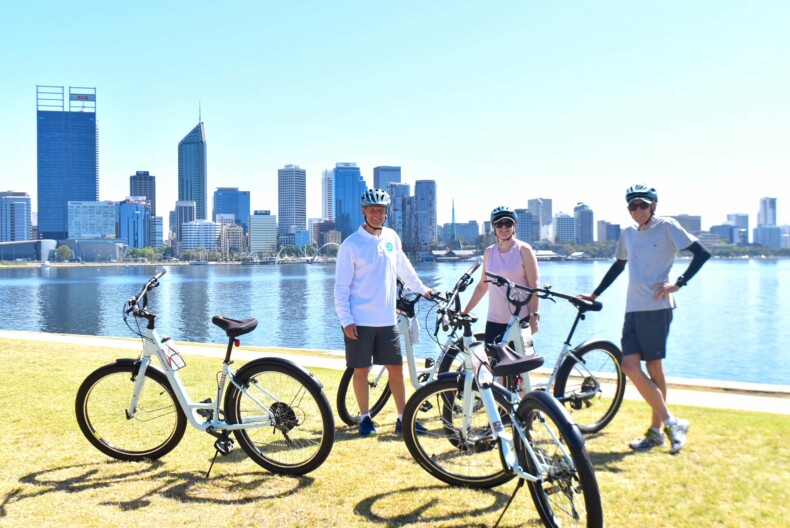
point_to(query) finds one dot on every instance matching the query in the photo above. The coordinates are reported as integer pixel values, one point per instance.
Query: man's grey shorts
(381, 344)
(645, 333)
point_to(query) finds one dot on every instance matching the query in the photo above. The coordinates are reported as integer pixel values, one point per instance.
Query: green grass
(734, 472)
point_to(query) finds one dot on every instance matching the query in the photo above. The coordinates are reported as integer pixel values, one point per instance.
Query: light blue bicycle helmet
(375, 197)
(502, 212)
(641, 192)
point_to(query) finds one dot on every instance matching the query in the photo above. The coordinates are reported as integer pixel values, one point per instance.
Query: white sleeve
(344, 274)
(406, 272)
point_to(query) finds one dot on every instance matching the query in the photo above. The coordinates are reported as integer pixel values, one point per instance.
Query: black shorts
(378, 345)
(646, 333)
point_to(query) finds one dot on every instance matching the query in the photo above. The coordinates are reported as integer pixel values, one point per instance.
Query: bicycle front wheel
(300, 429)
(567, 494)
(378, 394)
(592, 387)
(458, 455)
(102, 406)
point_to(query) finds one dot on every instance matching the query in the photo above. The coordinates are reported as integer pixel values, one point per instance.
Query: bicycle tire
(566, 495)
(474, 462)
(594, 412)
(304, 430)
(378, 391)
(102, 403)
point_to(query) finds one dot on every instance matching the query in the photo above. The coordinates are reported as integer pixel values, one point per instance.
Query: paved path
(700, 393)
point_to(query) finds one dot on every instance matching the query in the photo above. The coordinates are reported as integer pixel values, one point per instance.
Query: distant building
(524, 227)
(141, 183)
(384, 176)
(398, 193)
(692, 224)
(230, 200)
(564, 228)
(201, 234)
(349, 186)
(767, 214)
(608, 232)
(726, 232)
(426, 214)
(767, 236)
(134, 223)
(185, 212)
(327, 195)
(232, 238)
(466, 233)
(192, 170)
(291, 199)
(541, 218)
(93, 220)
(15, 216)
(583, 223)
(67, 147)
(263, 232)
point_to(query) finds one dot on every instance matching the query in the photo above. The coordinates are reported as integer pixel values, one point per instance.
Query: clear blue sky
(499, 102)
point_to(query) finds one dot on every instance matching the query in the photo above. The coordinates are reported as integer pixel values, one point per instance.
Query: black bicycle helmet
(641, 192)
(375, 197)
(502, 212)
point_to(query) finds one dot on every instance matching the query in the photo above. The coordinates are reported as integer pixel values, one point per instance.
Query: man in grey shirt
(650, 248)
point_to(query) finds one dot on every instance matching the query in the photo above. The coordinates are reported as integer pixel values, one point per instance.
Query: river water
(728, 326)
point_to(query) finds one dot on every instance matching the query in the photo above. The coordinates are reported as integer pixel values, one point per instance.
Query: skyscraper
(291, 199)
(523, 225)
(67, 143)
(230, 200)
(399, 195)
(583, 221)
(383, 176)
(327, 195)
(767, 214)
(349, 186)
(425, 197)
(541, 217)
(141, 183)
(192, 170)
(564, 228)
(14, 216)
(185, 212)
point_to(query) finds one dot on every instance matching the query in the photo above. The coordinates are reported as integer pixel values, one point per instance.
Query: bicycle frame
(152, 348)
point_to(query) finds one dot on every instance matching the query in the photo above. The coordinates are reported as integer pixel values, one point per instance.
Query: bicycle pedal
(206, 413)
(426, 406)
(224, 446)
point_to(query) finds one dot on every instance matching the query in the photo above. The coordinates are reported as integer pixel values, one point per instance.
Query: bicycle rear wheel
(102, 404)
(592, 388)
(378, 393)
(303, 429)
(471, 460)
(568, 493)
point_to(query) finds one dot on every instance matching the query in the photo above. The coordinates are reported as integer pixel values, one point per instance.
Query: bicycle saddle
(510, 363)
(235, 327)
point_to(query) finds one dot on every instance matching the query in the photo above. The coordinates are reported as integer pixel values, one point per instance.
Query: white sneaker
(652, 439)
(677, 434)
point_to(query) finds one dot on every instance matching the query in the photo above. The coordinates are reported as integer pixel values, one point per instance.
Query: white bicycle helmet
(641, 192)
(375, 197)
(502, 212)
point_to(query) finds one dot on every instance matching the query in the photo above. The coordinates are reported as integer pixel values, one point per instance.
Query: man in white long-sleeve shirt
(368, 265)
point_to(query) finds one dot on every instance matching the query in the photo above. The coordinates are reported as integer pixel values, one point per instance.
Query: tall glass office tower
(384, 176)
(291, 199)
(425, 197)
(68, 159)
(583, 223)
(230, 200)
(14, 216)
(349, 186)
(143, 184)
(192, 174)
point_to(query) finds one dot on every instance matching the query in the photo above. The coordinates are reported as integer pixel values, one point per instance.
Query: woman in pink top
(514, 260)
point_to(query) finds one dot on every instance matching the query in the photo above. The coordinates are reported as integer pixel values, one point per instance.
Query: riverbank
(714, 394)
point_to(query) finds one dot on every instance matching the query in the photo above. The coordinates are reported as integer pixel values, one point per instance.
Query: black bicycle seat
(235, 327)
(511, 363)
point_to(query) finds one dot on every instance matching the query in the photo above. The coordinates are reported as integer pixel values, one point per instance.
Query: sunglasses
(506, 223)
(640, 205)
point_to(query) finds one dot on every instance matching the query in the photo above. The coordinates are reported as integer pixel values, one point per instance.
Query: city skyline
(497, 104)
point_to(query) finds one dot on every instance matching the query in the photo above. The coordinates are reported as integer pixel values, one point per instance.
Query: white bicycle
(131, 410)
(587, 378)
(378, 379)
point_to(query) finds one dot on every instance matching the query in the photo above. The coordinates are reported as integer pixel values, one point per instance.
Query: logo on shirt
(389, 247)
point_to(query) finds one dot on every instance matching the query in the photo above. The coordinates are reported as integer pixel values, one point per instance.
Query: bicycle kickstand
(518, 487)
(223, 446)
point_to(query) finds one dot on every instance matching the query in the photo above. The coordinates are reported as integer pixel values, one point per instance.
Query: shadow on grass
(427, 506)
(187, 486)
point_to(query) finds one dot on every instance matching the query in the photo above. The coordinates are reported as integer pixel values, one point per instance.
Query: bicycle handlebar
(545, 292)
(152, 283)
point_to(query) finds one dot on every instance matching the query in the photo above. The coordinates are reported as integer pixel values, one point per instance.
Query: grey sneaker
(652, 439)
(677, 434)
